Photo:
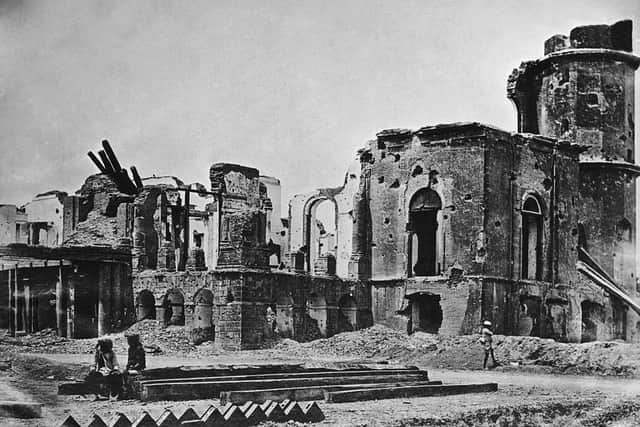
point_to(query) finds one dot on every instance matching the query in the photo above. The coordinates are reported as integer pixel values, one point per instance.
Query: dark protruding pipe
(112, 156)
(96, 162)
(128, 185)
(136, 177)
(108, 167)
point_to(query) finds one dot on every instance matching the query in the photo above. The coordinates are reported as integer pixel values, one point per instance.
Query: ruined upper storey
(582, 90)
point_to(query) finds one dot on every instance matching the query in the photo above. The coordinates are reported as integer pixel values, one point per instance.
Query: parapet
(614, 37)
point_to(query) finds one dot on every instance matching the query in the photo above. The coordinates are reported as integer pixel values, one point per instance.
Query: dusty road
(522, 399)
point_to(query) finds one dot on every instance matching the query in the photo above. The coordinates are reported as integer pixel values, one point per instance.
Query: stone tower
(582, 92)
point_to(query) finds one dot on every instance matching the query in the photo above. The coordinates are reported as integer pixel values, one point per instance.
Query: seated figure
(136, 361)
(105, 371)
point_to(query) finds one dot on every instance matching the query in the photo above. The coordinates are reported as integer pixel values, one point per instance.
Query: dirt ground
(529, 394)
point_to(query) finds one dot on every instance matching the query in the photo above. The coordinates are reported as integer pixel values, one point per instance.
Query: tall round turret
(582, 91)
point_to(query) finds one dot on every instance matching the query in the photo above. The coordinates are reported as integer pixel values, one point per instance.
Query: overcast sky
(292, 88)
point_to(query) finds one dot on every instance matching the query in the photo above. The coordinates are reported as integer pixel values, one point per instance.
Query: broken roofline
(73, 253)
(444, 133)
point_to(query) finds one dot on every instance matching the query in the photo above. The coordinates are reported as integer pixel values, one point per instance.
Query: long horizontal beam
(607, 285)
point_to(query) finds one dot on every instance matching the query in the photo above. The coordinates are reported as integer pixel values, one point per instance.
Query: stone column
(59, 295)
(116, 293)
(12, 328)
(359, 264)
(15, 298)
(139, 258)
(104, 299)
(28, 324)
(71, 308)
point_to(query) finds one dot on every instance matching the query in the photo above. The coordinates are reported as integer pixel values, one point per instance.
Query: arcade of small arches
(316, 316)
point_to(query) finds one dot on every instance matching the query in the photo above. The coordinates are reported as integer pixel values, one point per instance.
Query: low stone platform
(15, 409)
(239, 385)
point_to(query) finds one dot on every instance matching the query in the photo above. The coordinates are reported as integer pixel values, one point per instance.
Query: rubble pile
(465, 352)
(173, 340)
(376, 343)
(96, 230)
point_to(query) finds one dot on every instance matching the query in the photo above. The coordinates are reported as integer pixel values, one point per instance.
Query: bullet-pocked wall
(463, 214)
(582, 91)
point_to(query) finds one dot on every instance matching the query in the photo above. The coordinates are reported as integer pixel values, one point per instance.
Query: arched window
(531, 239)
(423, 227)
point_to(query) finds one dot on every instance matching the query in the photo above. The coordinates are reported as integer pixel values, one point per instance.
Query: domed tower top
(582, 91)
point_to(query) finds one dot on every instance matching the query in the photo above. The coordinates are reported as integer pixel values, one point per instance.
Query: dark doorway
(44, 311)
(619, 320)
(173, 308)
(423, 227)
(347, 314)
(529, 317)
(426, 313)
(146, 305)
(592, 319)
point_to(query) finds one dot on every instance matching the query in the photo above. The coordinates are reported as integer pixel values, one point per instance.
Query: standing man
(487, 341)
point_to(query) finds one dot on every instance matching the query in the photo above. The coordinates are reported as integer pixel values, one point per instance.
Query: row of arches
(279, 314)
(317, 318)
(172, 306)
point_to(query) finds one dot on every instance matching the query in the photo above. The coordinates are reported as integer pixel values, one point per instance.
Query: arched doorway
(203, 308)
(145, 306)
(426, 312)
(347, 314)
(173, 304)
(284, 316)
(592, 320)
(320, 237)
(531, 239)
(317, 310)
(423, 233)
(202, 329)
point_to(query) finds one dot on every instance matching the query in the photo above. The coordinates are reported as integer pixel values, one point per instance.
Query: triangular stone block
(120, 420)
(188, 415)
(312, 412)
(167, 419)
(253, 413)
(97, 421)
(212, 417)
(70, 422)
(285, 403)
(266, 405)
(145, 420)
(275, 413)
(294, 412)
(224, 408)
(235, 417)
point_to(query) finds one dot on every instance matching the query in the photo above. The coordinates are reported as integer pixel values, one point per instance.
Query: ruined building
(434, 229)
(455, 223)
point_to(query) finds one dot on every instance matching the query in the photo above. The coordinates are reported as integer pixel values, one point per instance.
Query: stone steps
(327, 374)
(404, 391)
(187, 390)
(302, 394)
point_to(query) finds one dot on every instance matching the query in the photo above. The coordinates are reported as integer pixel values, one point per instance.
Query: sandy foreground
(529, 393)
